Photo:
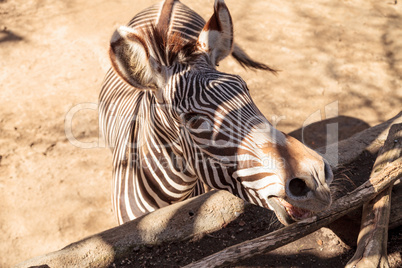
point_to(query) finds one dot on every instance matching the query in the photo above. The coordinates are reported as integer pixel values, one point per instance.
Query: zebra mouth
(286, 212)
(295, 213)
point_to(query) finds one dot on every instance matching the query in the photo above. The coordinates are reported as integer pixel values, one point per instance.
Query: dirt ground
(336, 58)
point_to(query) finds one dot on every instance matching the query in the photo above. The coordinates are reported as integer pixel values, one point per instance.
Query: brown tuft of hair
(170, 47)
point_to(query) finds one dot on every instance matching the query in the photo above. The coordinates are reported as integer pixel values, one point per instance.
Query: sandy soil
(335, 57)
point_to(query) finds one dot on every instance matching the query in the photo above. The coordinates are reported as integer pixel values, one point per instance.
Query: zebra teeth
(295, 213)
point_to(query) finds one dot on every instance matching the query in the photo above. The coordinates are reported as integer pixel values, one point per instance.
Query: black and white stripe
(202, 128)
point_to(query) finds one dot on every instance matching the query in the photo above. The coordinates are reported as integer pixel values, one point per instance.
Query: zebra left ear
(216, 38)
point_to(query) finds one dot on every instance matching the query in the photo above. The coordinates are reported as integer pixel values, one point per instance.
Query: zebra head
(208, 119)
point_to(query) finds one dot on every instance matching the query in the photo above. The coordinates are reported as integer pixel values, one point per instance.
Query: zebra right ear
(132, 61)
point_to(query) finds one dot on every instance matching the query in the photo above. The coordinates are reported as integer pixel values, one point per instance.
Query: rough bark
(372, 241)
(370, 140)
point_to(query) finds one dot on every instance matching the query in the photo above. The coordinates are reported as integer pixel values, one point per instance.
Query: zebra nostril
(328, 173)
(298, 187)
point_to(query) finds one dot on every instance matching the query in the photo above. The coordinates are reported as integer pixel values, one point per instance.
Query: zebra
(175, 123)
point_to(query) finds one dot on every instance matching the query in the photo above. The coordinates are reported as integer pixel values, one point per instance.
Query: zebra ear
(216, 38)
(132, 61)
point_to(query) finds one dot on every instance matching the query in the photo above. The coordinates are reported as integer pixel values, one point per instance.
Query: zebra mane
(169, 48)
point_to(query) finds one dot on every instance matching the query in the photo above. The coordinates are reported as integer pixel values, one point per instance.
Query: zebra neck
(159, 153)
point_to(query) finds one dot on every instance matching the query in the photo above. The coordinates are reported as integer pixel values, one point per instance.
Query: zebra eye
(197, 122)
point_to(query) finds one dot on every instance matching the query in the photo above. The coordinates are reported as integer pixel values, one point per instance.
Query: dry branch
(372, 241)
(290, 233)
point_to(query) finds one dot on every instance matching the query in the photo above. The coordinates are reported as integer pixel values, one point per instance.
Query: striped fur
(201, 126)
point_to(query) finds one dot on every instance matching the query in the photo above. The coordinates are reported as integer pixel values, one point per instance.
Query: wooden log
(395, 218)
(372, 241)
(370, 140)
(290, 233)
(189, 218)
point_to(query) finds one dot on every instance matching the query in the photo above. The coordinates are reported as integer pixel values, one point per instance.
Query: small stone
(242, 223)
(319, 242)
(240, 230)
